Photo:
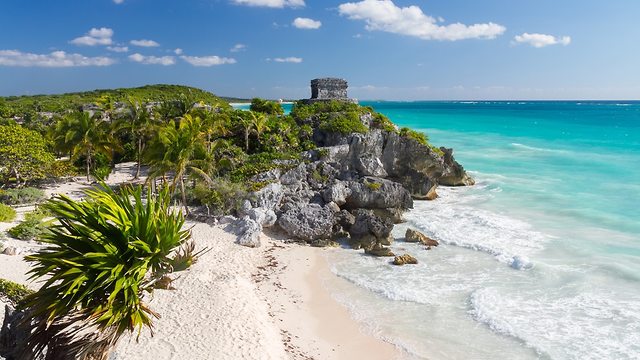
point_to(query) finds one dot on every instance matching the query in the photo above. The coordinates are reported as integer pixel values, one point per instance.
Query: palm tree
(139, 122)
(85, 135)
(246, 125)
(259, 123)
(175, 150)
(103, 255)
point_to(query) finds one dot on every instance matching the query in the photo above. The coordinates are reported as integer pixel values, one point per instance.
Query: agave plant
(104, 253)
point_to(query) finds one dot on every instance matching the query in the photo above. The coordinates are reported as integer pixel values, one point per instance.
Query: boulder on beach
(379, 250)
(404, 259)
(415, 236)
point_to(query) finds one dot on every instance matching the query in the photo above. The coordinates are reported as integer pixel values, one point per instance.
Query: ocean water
(539, 260)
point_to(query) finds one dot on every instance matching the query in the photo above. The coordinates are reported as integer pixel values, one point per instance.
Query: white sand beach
(238, 302)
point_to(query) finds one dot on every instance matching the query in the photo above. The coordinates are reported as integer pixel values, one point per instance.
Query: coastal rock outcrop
(248, 231)
(308, 223)
(404, 260)
(389, 155)
(353, 186)
(416, 236)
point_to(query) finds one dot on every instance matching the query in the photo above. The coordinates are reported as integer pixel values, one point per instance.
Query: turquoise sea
(539, 260)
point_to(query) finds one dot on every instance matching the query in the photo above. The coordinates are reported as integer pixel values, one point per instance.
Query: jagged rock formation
(354, 187)
(416, 236)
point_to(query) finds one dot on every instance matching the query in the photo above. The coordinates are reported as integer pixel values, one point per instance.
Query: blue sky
(386, 49)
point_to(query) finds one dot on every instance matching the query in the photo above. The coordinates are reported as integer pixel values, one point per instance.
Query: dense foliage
(343, 123)
(266, 106)
(105, 252)
(24, 154)
(7, 213)
(29, 107)
(13, 292)
(32, 227)
(415, 135)
(21, 196)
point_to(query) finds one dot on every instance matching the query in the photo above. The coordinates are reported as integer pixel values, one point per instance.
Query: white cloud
(207, 60)
(119, 49)
(290, 59)
(270, 3)
(238, 48)
(144, 43)
(118, 1)
(152, 60)
(95, 36)
(306, 23)
(384, 15)
(54, 59)
(178, 51)
(542, 40)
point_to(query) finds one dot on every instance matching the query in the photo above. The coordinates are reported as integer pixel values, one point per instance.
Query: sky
(385, 49)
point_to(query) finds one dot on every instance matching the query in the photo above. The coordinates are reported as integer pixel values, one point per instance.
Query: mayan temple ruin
(327, 89)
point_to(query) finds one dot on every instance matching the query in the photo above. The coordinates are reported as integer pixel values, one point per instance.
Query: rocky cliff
(353, 187)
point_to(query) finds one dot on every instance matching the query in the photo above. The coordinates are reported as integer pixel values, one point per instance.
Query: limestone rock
(404, 259)
(337, 192)
(432, 194)
(257, 214)
(394, 214)
(227, 219)
(269, 197)
(368, 223)
(271, 175)
(377, 193)
(270, 218)
(308, 223)
(416, 236)
(295, 175)
(11, 251)
(333, 207)
(248, 231)
(380, 251)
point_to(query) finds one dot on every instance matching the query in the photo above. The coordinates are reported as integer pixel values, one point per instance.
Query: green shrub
(258, 163)
(7, 214)
(101, 173)
(105, 253)
(266, 106)
(21, 196)
(222, 197)
(62, 169)
(373, 186)
(415, 135)
(344, 123)
(382, 122)
(317, 176)
(12, 291)
(28, 229)
(32, 227)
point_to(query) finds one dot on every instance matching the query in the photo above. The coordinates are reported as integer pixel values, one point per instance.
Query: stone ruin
(327, 89)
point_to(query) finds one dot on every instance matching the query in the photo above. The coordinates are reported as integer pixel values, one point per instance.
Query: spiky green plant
(105, 252)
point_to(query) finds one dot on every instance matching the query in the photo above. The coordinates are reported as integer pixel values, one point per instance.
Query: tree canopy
(24, 155)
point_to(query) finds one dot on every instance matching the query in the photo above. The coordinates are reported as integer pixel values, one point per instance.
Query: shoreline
(315, 324)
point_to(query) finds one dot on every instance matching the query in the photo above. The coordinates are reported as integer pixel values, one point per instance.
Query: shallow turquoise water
(541, 259)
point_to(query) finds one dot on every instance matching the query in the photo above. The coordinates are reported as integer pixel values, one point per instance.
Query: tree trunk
(139, 159)
(88, 161)
(184, 196)
(246, 140)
